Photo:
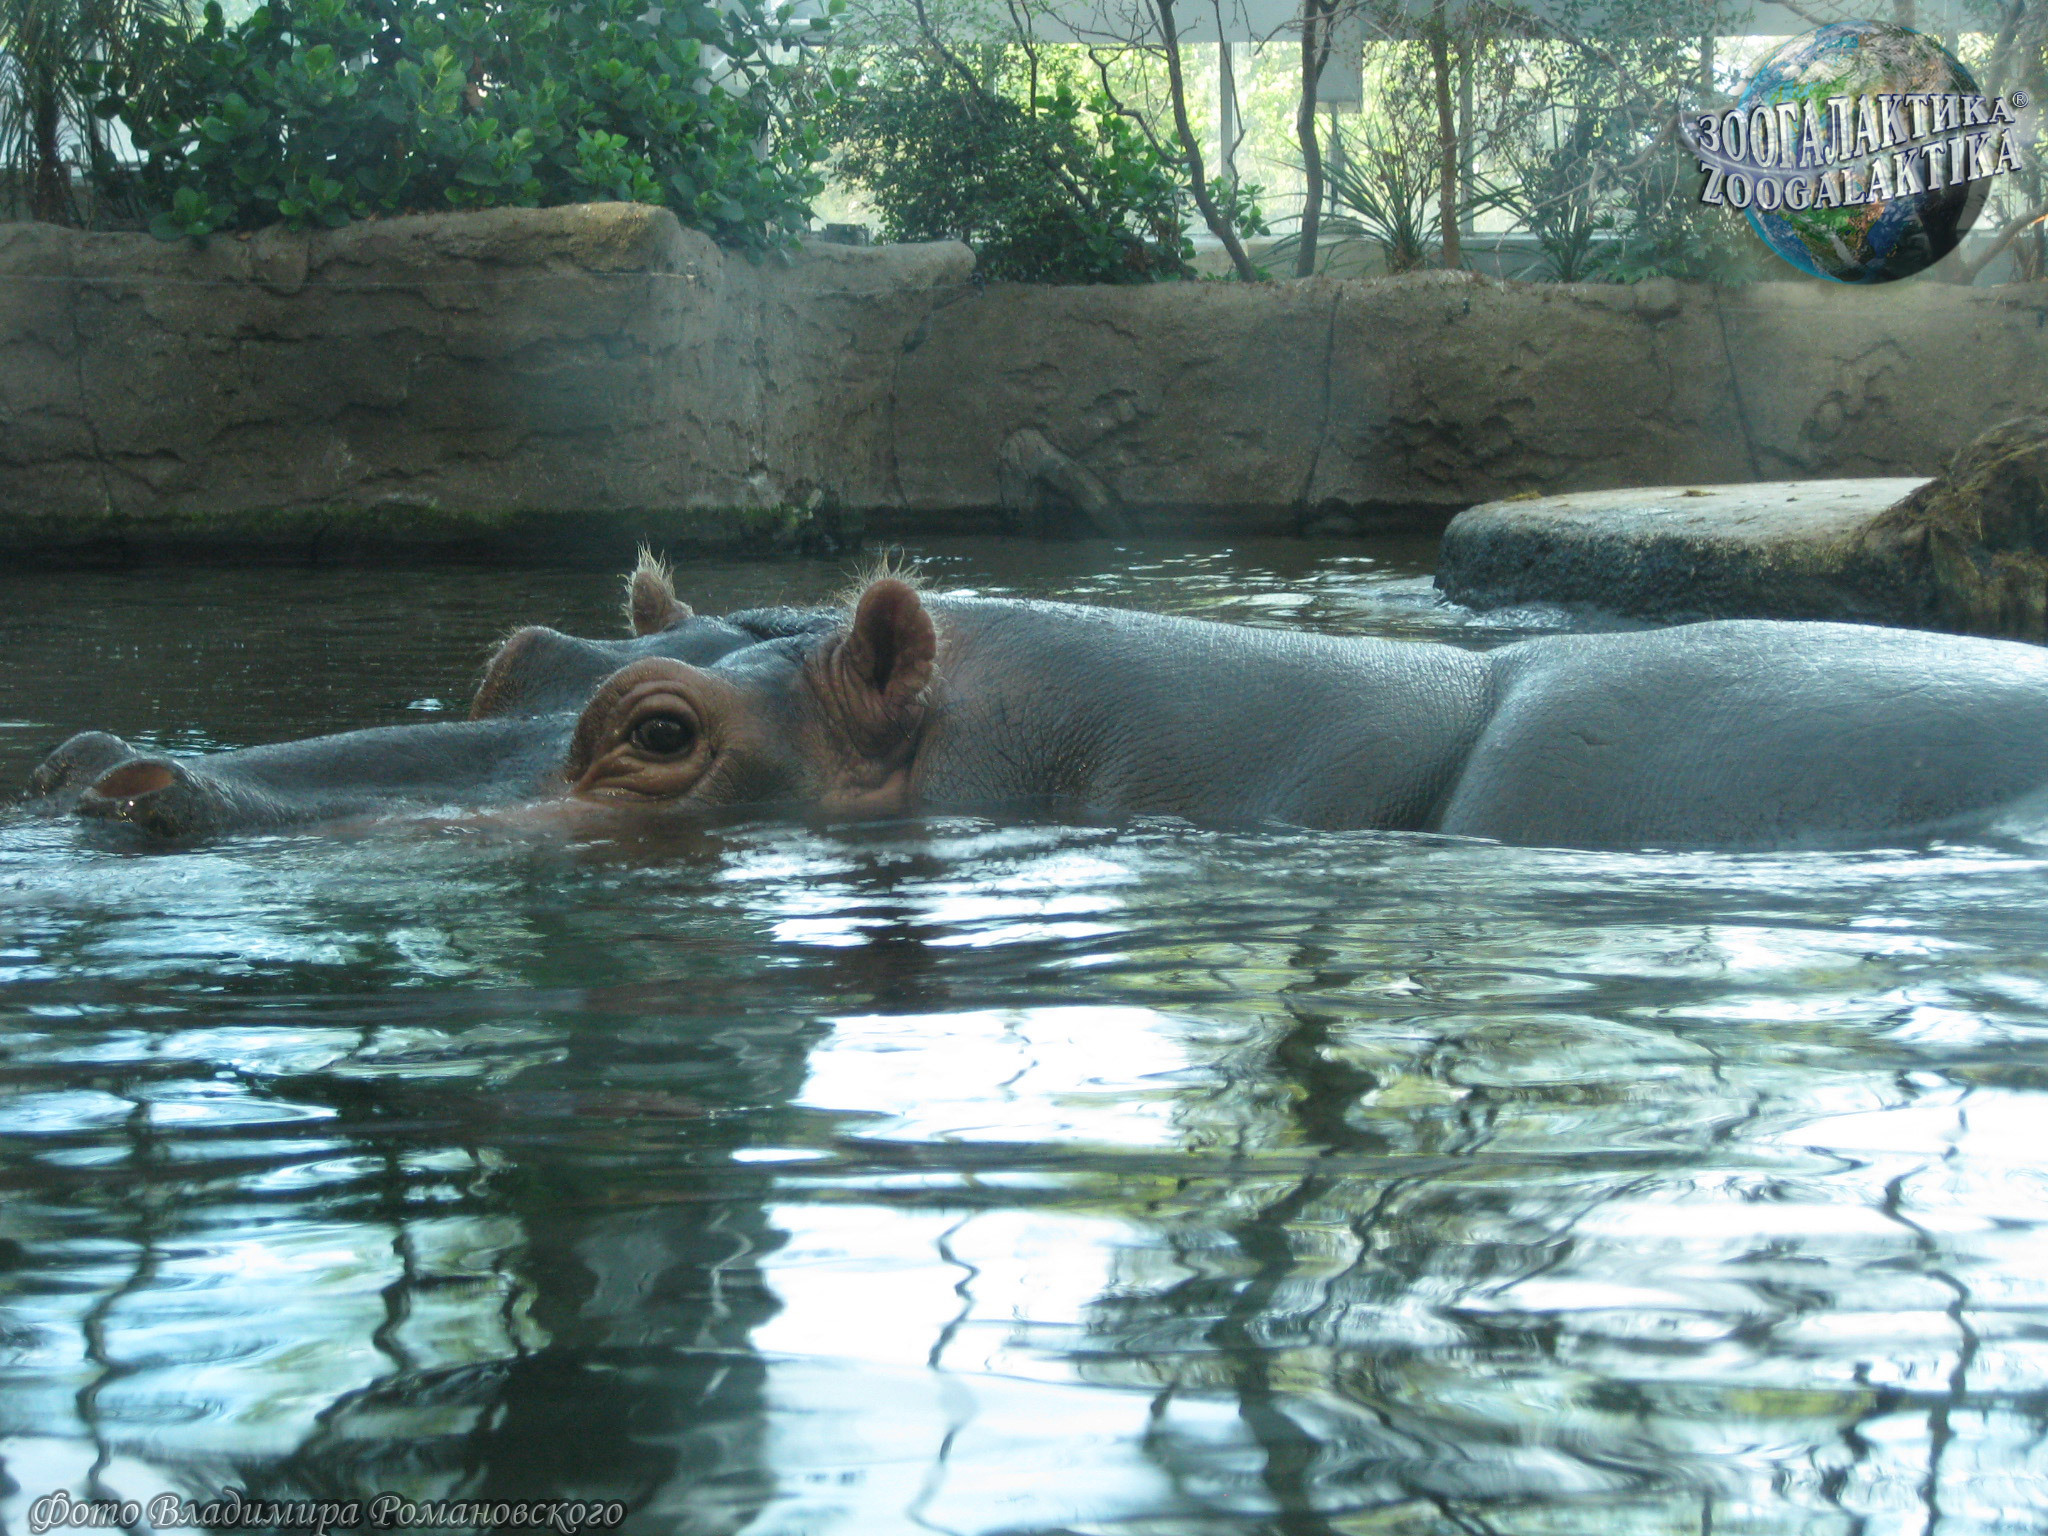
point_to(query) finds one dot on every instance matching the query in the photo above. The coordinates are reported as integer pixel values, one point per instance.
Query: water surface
(956, 1177)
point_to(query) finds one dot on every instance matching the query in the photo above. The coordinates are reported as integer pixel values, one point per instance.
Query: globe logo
(1861, 152)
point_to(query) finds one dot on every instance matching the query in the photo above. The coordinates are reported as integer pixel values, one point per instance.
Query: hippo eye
(664, 735)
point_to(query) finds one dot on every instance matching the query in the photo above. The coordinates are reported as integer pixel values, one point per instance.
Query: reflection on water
(952, 1177)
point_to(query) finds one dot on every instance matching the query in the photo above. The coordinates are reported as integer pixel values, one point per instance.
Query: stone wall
(1323, 404)
(554, 379)
(488, 382)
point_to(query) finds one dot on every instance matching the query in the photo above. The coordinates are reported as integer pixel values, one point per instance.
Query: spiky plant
(55, 58)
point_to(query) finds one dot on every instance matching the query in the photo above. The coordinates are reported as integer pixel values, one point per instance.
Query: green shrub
(316, 112)
(1601, 179)
(1051, 188)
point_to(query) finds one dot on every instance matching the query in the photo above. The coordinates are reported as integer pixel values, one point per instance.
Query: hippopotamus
(507, 752)
(1729, 735)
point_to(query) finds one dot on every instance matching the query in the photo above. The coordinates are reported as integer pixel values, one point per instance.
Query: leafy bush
(322, 111)
(1602, 181)
(1051, 188)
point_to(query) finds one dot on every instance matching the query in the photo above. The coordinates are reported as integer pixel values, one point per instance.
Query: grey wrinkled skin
(1751, 734)
(470, 764)
(1728, 735)
(70, 770)
(1738, 734)
(1121, 713)
(540, 671)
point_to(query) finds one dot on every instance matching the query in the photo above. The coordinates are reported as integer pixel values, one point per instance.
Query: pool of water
(959, 1177)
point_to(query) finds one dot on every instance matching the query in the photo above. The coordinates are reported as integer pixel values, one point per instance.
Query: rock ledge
(1967, 551)
(1789, 549)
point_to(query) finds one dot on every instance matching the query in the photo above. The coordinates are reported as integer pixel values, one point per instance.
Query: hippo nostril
(132, 780)
(151, 793)
(77, 763)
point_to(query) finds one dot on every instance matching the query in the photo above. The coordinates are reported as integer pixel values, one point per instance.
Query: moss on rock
(1967, 551)
(1972, 545)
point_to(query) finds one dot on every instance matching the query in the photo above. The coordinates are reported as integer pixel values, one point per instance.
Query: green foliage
(1601, 179)
(1562, 207)
(1567, 124)
(317, 112)
(1389, 197)
(1662, 230)
(52, 56)
(1047, 185)
(1382, 169)
(1386, 190)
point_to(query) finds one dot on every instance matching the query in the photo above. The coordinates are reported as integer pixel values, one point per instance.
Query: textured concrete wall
(553, 377)
(1316, 404)
(473, 381)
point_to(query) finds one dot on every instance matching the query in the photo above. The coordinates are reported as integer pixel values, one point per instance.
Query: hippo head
(774, 705)
(541, 671)
(828, 719)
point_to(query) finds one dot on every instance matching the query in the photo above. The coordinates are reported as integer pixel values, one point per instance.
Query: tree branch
(2016, 226)
(1198, 182)
(1446, 139)
(1314, 54)
(979, 95)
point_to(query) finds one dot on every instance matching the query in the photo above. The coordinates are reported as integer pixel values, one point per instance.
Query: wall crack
(1315, 456)
(92, 431)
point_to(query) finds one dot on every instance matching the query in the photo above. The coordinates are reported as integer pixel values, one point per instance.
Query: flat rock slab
(1788, 549)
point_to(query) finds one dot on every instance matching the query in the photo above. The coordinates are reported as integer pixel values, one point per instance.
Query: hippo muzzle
(465, 765)
(164, 798)
(73, 768)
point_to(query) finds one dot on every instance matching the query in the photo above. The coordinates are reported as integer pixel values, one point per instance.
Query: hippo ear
(651, 603)
(875, 676)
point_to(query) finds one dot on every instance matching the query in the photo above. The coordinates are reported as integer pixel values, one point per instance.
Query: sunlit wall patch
(1861, 152)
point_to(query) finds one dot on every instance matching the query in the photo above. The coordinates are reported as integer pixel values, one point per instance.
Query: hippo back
(1752, 734)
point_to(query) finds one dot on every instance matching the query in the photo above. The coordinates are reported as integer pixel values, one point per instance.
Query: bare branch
(2014, 227)
(1315, 53)
(1198, 181)
(1130, 114)
(976, 92)
(1447, 139)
